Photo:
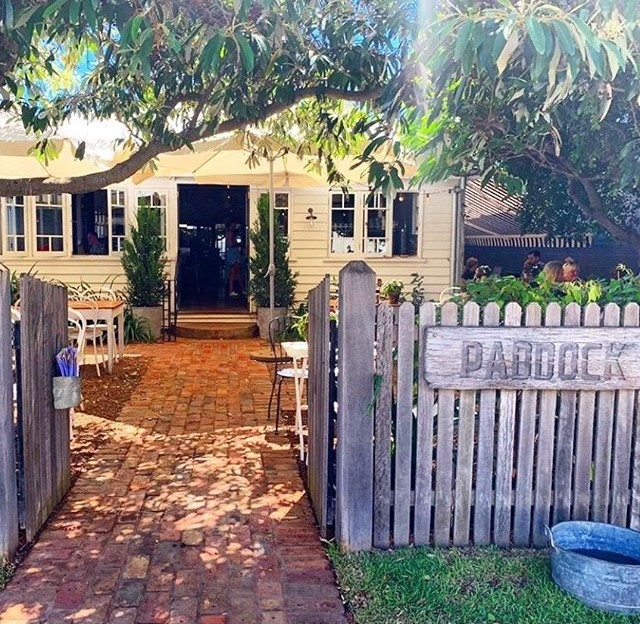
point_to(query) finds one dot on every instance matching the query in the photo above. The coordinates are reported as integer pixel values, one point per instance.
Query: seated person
(94, 246)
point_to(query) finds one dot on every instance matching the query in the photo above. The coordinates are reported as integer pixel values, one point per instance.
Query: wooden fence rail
(479, 426)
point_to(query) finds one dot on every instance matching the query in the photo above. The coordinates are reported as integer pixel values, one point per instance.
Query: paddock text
(524, 357)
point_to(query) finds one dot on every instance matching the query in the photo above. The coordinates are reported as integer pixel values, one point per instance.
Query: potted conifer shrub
(285, 282)
(144, 261)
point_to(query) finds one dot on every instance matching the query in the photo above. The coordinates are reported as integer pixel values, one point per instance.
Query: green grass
(437, 586)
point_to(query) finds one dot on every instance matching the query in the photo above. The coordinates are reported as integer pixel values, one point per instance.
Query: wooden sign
(544, 358)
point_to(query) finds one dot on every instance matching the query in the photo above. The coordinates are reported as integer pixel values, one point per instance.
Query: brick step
(208, 330)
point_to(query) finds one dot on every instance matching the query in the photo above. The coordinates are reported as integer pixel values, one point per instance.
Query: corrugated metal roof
(490, 210)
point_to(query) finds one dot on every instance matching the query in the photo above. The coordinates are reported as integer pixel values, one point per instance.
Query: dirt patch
(106, 395)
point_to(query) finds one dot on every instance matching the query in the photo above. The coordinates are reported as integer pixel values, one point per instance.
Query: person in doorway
(233, 260)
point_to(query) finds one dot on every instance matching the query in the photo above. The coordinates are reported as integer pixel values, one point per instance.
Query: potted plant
(392, 291)
(285, 280)
(144, 261)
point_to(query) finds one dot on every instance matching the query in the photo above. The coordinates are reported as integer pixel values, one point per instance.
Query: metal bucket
(597, 563)
(66, 392)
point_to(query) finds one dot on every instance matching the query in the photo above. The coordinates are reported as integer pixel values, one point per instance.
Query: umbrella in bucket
(67, 360)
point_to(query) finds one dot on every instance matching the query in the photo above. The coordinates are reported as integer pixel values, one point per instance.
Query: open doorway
(213, 263)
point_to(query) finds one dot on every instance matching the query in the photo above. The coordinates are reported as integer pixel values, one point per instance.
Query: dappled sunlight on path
(191, 512)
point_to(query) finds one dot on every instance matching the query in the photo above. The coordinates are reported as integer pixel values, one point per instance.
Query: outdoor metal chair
(281, 330)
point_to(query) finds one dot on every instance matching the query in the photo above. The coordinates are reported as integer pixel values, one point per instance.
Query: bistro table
(109, 311)
(299, 352)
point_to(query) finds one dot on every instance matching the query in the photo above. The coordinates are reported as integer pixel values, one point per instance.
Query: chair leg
(273, 390)
(278, 403)
(95, 353)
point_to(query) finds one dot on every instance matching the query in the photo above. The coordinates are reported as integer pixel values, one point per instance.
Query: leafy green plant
(417, 296)
(503, 290)
(7, 569)
(144, 259)
(14, 280)
(285, 279)
(136, 328)
(392, 289)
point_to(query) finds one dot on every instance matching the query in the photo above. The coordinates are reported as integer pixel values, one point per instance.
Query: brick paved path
(192, 512)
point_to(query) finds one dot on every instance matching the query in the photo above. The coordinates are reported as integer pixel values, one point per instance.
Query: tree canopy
(528, 89)
(177, 72)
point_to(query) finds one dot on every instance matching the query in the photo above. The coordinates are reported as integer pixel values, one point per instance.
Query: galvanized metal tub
(597, 563)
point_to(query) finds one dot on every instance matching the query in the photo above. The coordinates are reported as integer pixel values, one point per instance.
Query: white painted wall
(309, 250)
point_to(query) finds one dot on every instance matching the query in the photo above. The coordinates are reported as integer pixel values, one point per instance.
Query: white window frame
(357, 222)
(121, 194)
(360, 246)
(286, 209)
(44, 201)
(383, 244)
(7, 203)
(163, 206)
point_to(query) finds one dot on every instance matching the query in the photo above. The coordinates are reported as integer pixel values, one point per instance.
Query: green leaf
(507, 51)
(7, 14)
(210, 58)
(463, 39)
(247, 55)
(565, 37)
(536, 34)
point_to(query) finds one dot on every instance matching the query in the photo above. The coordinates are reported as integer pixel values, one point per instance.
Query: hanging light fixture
(310, 216)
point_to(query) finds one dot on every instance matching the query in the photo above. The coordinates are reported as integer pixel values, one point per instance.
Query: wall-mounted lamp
(310, 216)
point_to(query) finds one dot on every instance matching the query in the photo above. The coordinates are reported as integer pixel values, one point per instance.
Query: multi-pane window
(117, 209)
(369, 224)
(159, 201)
(343, 216)
(15, 239)
(49, 227)
(375, 225)
(90, 223)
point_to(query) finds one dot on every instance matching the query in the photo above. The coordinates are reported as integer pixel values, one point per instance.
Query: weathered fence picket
(484, 425)
(320, 422)
(8, 493)
(354, 450)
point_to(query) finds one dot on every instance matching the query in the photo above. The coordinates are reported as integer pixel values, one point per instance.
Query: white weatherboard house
(419, 231)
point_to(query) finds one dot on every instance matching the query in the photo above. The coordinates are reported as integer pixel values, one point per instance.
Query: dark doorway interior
(212, 259)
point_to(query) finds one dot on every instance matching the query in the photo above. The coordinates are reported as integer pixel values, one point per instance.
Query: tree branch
(594, 209)
(125, 169)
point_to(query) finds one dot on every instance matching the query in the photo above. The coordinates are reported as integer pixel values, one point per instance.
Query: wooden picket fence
(469, 426)
(39, 433)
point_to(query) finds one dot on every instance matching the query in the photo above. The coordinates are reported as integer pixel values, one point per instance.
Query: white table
(110, 312)
(299, 352)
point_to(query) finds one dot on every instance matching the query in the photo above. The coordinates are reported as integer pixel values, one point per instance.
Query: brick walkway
(192, 512)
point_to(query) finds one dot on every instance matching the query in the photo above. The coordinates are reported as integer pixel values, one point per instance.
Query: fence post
(354, 461)
(8, 493)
